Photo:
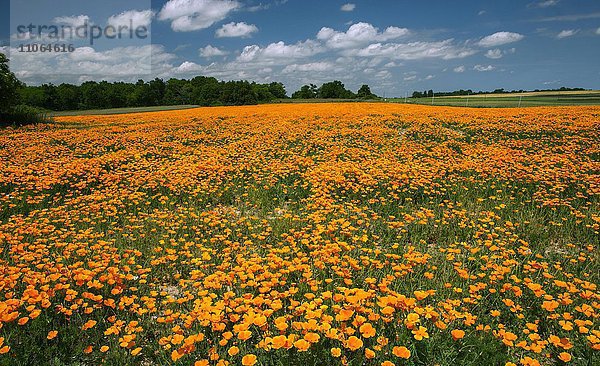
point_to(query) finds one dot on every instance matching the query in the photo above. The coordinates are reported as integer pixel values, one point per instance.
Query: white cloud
(429, 77)
(280, 51)
(73, 21)
(500, 38)
(494, 54)
(481, 12)
(359, 34)
(459, 69)
(187, 67)
(236, 30)
(569, 17)
(410, 77)
(545, 3)
(416, 50)
(210, 51)
(85, 63)
(598, 31)
(483, 68)
(567, 33)
(551, 82)
(383, 74)
(136, 18)
(309, 67)
(348, 7)
(191, 15)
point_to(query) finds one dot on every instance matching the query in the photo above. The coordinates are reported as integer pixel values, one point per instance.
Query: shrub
(23, 115)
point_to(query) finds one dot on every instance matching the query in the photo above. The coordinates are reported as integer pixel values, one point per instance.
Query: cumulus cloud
(416, 50)
(211, 51)
(135, 18)
(348, 7)
(567, 33)
(500, 38)
(85, 63)
(232, 29)
(358, 34)
(187, 67)
(280, 51)
(309, 67)
(73, 21)
(483, 68)
(191, 15)
(459, 69)
(494, 54)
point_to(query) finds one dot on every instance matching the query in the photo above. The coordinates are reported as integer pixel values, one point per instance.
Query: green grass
(121, 110)
(509, 100)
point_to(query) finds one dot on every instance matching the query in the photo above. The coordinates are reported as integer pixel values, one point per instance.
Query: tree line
(332, 90)
(430, 93)
(200, 90)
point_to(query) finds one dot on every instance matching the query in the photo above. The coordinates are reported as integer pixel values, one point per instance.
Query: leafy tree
(277, 90)
(9, 86)
(67, 97)
(177, 92)
(306, 92)
(334, 90)
(205, 91)
(32, 96)
(238, 93)
(263, 92)
(365, 93)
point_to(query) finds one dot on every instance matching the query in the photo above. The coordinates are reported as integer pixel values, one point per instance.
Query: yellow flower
(354, 343)
(401, 352)
(249, 360)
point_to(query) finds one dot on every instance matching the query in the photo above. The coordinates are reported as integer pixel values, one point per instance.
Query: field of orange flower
(358, 234)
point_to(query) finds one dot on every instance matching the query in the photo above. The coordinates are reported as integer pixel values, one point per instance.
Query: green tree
(365, 93)
(32, 96)
(67, 97)
(334, 90)
(306, 92)
(278, 90)
(9, 86)
(177, 92)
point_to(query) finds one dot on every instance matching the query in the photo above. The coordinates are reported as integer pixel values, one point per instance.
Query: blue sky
(394, 46)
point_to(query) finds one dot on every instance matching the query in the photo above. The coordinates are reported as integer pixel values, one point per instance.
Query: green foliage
(306, 92)
(365, 93)
(333, 90)
(23, 115)
(201, 90)
(9, 86)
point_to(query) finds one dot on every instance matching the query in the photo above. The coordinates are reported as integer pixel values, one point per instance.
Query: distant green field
(121, 110)
(510, 100)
